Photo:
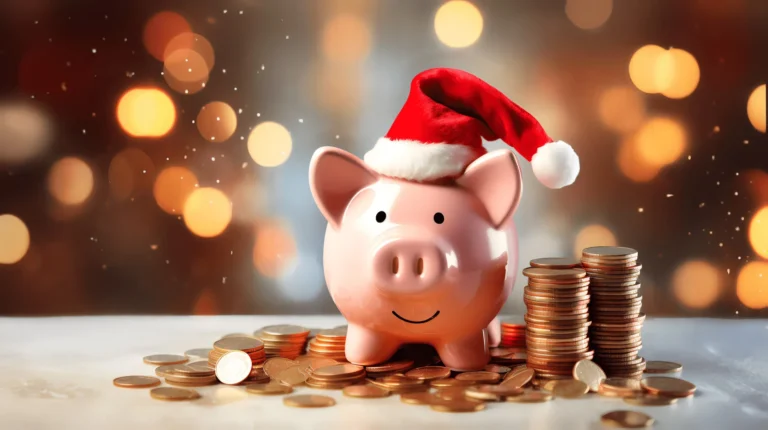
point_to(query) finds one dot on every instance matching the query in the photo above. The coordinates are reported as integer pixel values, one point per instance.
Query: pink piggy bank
(418, 262)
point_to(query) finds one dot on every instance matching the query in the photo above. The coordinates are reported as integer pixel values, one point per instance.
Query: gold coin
(308, 401)
(428, 373)
(556, 263)
(365, 391)
(519, 379)
(548, 385)
(398, 380)
(339, 370)
(285, 330)
(559, 274)
(174, 394)
(452, 393)
(530, 397)
(662, 367)
(666, 386)
(238, 344)
(650, 400)
(234, 367)
(627, 419)
(390, 366)
(198, 353)
(480, 376)
(165, 359)
(589, 373)
(275, 365)
(619, 387)
(609, 253)
(269, 389)
(292, 376)
(329, 385)
(492, 392)
(457, 405)
(136, 381)
(162, 371)
(449, 382)
(570, 389)
(421, 398)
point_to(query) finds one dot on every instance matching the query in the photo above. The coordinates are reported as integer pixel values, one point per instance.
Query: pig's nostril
(420, 266)
(395, 265)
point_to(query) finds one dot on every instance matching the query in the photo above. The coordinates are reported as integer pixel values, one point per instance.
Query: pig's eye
(381, 216)
(439, 218)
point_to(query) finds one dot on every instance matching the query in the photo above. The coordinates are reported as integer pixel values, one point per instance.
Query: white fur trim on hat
(555, 164)
(418, 161)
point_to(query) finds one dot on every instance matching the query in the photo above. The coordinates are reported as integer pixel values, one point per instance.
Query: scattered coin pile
(329, 344)
(557, 317)
(614, 308)
(287, 341)
(512, 334)
(251, 346)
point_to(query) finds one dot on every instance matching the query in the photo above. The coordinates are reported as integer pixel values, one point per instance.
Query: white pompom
(555, 164)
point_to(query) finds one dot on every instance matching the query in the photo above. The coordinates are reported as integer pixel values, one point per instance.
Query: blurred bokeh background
(154, 154)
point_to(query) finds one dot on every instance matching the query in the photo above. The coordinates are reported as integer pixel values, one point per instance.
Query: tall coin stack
(512, 334)
(615, 309)
(557, 318)
(284, 340)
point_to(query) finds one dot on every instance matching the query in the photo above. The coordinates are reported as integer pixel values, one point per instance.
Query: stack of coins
(284, 340)
(615, 309)
(336, 376)
(195, 374)
(557, 318)
(329, 344)
(251, 346)
(512, 334)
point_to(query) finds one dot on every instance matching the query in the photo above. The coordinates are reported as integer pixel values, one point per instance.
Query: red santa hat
(439, 132)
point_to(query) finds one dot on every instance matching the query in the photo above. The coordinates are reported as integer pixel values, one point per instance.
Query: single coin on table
(492, 392)
(450, 382)
(650, 400)
(174, 394)
(292, 376)
(270, 388)
(519, 379)
(275, 365)
(590, 373)
(136, 381)
(201, 353)
(161, 359)
(365, 391)
(420, 398)
(452, 393)
(234, 367)
(570, 389)
(531, 397)
(662, 367)
(428, 373)
(308, 401)
(627, 419)
(666, 386)
(457, 405)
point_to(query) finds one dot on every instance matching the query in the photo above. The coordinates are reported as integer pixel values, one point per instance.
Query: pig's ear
(335, 176)
(496, 180)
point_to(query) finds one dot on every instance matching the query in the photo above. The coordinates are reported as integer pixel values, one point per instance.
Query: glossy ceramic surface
(410, 262)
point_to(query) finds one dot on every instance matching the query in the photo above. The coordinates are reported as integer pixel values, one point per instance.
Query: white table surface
(57, 373)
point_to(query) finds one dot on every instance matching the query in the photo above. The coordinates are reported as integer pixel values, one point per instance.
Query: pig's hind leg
(365, 347)
(469, 353)
(494, 332)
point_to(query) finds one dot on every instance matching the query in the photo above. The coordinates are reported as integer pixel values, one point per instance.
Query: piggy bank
(418, 262)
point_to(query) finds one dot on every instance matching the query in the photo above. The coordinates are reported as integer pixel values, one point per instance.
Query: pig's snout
(408, 266)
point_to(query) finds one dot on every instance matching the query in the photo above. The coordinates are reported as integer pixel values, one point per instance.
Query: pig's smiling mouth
(417, 322)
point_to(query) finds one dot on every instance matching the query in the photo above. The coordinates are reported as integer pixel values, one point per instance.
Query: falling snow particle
(244, 165)
(720, 244)
(689, 157)
(337, 136)
(258, 114)
(287, 37)
(225, 11)
(224, 71)
(701, 205)
(224, 280)
(301, 120)
(93, 50)
(728, 271)
(713, 157)
(670, 195)
(153, 247)
(241, 12)
(736, 193)
(640, 210)
(716, 129)
(213, 158)
(738, 228)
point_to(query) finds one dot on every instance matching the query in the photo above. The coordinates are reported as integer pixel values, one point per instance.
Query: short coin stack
(284, 340)
(512, 334)
(329, 344)
(557, 318)
(336, 376)
(615, 309)
(251, 346)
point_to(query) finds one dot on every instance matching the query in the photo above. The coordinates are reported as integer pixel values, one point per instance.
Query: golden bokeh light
(25, 131)
(661, 141)
(621, 108)
(194, 42)
(632, 165)
(131, 172)
(651, 69)
(752, 285)
(346, 37)
(172, 188)
(269, 144)
(207, 212)
(161, 29)
(756, 108)
(593, 235)
(458, 24)
(588, 14)
(336, 87)
(696, 284)
(185, 71)
(274, 251)
(70, 181)
(685, 76)
(15, 239)
(216, 122)
(758, 232)
(146, 112)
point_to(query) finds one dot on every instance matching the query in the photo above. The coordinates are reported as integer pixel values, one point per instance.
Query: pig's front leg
(494, 332)
(365, 347)
(469, 353)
